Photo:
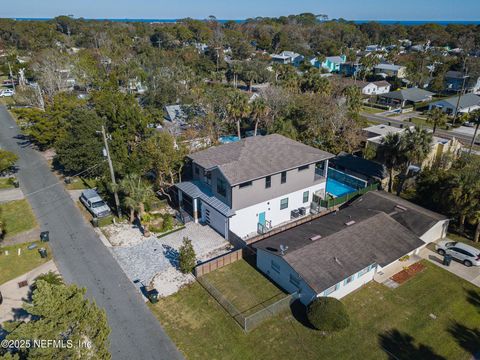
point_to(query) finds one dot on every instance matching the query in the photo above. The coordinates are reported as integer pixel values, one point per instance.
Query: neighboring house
(403, 97)
(372, 48)
(331, 63)
(454, 82)
(340, 252)
(252, 185)
(370, 171)
(390, 70)
(467, 103)
(443, 151)
(135, 86)
(374, 88)
(350, 68)
(288, 57)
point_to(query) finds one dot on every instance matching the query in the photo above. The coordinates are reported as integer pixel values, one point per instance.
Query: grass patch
(371, 110)
(245, 287)
(13, 265)
(18, 216)
(79, 183)
(6, 183)
(202, 329)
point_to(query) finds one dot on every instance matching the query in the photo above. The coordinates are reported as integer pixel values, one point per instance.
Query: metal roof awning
(197, 190)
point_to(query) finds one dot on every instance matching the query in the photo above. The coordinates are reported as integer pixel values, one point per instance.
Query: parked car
(466, 254)
(468, 124)
(7, 93)
(94, 203)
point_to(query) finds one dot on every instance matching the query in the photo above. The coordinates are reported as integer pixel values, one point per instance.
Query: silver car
(466, 254)
(94, 203)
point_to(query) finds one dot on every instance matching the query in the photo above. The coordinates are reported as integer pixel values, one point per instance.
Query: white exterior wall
(369, 89)
(245, 221)
(217, 221)
(357, 283)
(383, 90)
(436, 232)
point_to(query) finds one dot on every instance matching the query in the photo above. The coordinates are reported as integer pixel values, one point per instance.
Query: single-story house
(331, 63)
(340, 252)
(467, 104)
(356, 166)
(404, 97)
(454, 81)
(288, 57)
(350, 68)
(390, 70)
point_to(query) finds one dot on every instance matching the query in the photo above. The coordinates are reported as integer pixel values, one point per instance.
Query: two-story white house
(250, 186)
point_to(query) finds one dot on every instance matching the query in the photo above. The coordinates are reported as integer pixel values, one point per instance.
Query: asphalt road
(465, 139)
(83, 259)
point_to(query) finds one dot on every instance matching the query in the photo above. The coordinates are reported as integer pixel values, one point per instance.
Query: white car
(466, 254)
(7, 93)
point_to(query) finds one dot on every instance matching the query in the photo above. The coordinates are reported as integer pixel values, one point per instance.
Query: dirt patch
(408, 273)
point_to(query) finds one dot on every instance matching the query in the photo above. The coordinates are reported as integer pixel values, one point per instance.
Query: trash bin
(68, 180)
(16, 184)
(447, 259)
(45, 236)
(95, 222)
(153, 296)
(43, 253)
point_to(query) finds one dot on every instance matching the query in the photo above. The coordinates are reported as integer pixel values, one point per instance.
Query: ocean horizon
(384, 22)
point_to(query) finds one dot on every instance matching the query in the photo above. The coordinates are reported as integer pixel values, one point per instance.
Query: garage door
(213, 218)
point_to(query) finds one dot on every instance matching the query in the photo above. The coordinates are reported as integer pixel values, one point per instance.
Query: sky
(241, 9)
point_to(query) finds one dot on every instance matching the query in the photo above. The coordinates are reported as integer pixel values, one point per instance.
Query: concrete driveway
(471, 274)
(7, 195)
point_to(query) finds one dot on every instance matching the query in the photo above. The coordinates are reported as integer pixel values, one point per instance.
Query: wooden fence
(218, 262)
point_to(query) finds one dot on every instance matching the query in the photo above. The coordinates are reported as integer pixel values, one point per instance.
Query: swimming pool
(227, 139)
(336, 188)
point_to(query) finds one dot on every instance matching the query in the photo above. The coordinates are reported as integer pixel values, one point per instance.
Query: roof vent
(316, 237)
(337, 261)
(401, 207)
(351, 222)
(283, 248)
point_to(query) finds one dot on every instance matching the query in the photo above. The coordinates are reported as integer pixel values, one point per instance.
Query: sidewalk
(13, 296)
(471, 274)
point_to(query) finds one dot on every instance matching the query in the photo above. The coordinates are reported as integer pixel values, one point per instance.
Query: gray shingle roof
(381, 234)
(411, 94)
(258, 156)
(466, 101)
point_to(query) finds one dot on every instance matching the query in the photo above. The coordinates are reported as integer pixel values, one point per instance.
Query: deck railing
(329, 203)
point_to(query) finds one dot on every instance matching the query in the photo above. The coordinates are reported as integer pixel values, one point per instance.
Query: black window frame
(268, 182)
(283, 177)
(245, 184)
(224, 190)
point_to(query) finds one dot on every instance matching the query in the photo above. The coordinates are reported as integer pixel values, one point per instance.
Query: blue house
(350, 68)
(331, 63)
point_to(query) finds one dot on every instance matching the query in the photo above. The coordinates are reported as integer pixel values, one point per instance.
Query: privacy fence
(218, 262)
(248, 319)
(329, 203)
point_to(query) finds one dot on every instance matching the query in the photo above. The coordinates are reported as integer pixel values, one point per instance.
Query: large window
(306, 195)
(348, 280)
(331, 289)
(245, 184)
(268, 182)
(363, 272)
(283, 203)
(284, 177)
(275, 266)
(221, 187)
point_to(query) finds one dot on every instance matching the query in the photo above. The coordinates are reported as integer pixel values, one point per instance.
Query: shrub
(167, 223)
(328, 314)
(186, 256)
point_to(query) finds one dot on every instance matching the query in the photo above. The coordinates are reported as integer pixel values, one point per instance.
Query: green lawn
(249, 291)
(18, 216)
(6, 183)
(371, 110)
(203, 330)
(12, 265)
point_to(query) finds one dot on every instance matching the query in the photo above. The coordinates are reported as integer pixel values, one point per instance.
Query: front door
(261, 218)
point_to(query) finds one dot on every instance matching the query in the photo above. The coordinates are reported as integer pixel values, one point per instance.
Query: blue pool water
(336, 188)
(228, 139)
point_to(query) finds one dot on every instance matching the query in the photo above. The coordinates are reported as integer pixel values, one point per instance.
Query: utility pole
(11, 76)
(461, 91)
(112, 173)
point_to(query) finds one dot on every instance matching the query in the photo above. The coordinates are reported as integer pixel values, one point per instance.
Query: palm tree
(238, 108)
(259, 112)
(392, 152)
(368, 63)
(51, 277)
(137, 193)
(474, 117)
(416, 145)
(437, 117)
